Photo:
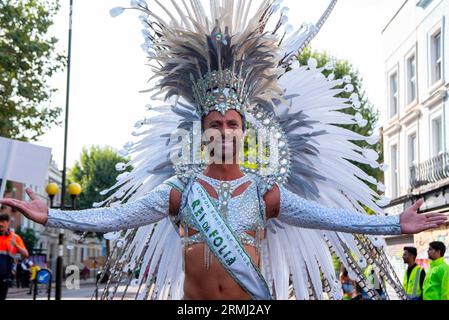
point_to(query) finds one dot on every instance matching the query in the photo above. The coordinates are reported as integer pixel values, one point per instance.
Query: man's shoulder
(17, 238)
(176, 183)
(445, 265)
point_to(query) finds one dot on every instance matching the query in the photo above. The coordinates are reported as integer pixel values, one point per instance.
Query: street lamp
(74, 190)
(52, 190)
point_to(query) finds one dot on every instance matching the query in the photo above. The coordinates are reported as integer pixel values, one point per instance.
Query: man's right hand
(35, 210)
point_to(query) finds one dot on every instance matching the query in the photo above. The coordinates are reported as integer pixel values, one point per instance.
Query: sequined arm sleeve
(299, 212)
(149, 209)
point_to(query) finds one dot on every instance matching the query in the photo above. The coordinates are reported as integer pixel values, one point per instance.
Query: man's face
(4, 226)
(224, 133)
(433, 254)
(407, 257)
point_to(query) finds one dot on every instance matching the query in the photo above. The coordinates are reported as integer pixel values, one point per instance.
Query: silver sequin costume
(294, 210)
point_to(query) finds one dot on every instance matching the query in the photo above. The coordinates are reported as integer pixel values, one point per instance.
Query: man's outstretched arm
(150, 208)
(294, 210)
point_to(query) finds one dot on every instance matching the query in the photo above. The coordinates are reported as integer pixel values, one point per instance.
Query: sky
(108, 64)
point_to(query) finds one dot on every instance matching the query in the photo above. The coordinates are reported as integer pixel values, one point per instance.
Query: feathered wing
(321, 171)
(159, 271)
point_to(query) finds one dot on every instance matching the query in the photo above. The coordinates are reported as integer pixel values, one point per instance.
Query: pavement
(85, 291)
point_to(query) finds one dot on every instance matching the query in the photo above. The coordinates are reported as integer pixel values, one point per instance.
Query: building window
(436, 66)
(411, 79)
(393, 94)
(394, 172)
(437, 136)
(412, 150)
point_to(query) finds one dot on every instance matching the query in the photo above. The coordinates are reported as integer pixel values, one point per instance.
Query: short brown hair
(4, 217)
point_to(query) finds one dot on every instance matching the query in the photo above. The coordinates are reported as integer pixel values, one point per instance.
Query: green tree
(28, 59)
(343, 68)
(29, 238)
(95, 171)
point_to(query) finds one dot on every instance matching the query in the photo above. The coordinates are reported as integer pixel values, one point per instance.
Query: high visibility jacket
(8, 252)
(436, 284)
(373, 278)
(412, 284)
(34, 270)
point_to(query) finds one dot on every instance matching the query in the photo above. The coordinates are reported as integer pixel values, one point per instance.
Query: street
(86, 291)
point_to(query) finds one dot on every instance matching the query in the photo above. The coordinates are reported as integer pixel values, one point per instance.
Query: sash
(223, 243)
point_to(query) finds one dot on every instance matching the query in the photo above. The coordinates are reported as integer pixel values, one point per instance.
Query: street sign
(43, 276)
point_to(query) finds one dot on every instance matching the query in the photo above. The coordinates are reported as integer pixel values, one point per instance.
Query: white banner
(24, 162)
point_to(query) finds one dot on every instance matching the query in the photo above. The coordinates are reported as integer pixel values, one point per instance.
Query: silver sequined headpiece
(220, 91)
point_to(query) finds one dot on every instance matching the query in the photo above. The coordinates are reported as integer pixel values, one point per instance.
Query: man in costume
(229, 219)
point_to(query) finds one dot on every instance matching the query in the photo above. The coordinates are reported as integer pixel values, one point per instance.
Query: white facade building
(74, 252)
(416, 115)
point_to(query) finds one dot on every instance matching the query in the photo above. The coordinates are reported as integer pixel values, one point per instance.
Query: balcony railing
(431, 171)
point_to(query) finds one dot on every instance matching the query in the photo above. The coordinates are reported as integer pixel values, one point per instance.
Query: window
(437, 136)
(394, 172)
(436, 66)
(412, 150)
(393, 94)
(411, 79)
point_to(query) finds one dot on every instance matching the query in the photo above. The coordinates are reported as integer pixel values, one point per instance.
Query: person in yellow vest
(373, 277)
(414, 275)
(34, 270)
(436, 284)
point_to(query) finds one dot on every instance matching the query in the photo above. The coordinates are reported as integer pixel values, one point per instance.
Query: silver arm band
(303, 213)
(149, 209)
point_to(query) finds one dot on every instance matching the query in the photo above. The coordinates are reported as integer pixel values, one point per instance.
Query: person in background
(414, 276)
(11, 245)
(34, 269)
(348, 285)
(26, 275)
(85, 272)
(436, 284)
(373, 277)
(19, 274)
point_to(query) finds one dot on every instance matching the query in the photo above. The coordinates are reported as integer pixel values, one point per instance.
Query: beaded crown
(220, 91)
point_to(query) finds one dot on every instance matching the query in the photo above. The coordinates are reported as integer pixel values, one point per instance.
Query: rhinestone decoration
(220, 91)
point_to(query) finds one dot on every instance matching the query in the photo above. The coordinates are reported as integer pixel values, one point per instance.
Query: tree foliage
(28, 59)
(29, 238)
(95, 171)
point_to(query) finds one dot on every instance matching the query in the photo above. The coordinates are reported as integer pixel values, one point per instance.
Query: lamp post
(64, 170)
(52, 190)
